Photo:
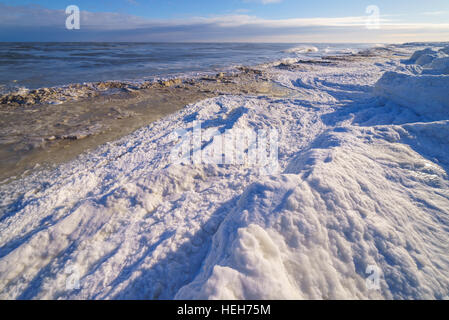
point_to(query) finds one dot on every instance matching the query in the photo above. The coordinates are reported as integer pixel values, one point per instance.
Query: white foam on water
(302, 49)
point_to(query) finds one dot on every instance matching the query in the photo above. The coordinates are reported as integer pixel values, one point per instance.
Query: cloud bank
(35, 23)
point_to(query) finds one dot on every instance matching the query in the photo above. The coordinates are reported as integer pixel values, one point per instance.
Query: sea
(26, 65)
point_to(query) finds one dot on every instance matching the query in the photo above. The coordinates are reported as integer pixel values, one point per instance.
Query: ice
(362, 187)
(311, 233)
(427, 95)
(445, 50)
(429, 61)
(423, 57)
(438, 66)
(422, 86)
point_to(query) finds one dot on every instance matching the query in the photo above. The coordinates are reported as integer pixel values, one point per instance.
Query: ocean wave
(302, 49)
(341, 51)
(19, 94)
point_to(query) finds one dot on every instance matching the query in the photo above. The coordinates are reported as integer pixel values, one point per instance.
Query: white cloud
(107, 26)
(39, 16)
(436, 13)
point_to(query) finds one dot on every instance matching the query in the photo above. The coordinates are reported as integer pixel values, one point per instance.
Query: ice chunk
(424, 57)
(439, 66)
(427, 95)
(445, 50)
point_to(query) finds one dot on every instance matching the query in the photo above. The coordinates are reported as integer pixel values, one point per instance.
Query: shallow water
(35, 136)
(38, 134)
(39, 65)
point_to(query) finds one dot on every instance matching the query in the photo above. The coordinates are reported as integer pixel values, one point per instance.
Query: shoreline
(50, 126)
(38, 135)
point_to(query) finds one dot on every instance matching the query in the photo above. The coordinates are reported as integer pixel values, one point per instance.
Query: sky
(228, 21)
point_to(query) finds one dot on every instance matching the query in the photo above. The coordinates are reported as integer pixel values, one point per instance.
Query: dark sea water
(38, 65)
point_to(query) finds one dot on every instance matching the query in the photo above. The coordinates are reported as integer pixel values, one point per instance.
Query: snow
(439, 66)
(311, 233)
(361, 185)
(423, 57)
(423, 86)
(427, 95)
(445, 50)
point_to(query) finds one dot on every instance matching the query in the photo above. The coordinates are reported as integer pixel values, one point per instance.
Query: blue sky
(225, 20)
(284, 9)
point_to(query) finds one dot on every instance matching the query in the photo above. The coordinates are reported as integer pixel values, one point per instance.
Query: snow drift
(425, 94)
(311, 233)
(424, 89)
(423, 57)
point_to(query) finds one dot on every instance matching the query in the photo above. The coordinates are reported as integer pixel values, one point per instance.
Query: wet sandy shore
(45, 127)
(49, 126)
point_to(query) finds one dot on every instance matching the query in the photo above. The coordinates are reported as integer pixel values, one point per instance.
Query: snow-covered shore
(362, 184)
